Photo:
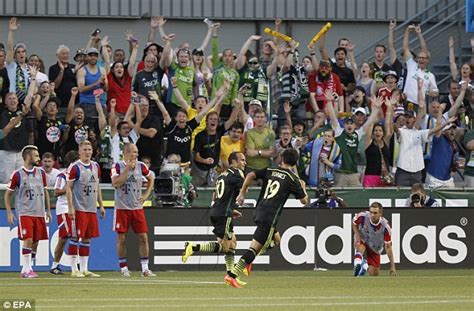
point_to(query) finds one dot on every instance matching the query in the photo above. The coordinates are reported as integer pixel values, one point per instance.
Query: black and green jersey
(228, 186)
(278, 184)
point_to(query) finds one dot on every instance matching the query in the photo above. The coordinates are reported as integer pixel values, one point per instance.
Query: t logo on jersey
(126, 188)
(87, 190)
(30, 193)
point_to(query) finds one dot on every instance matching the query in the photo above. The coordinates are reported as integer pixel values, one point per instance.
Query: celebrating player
(127, 178)
(371, 233)
(64, 221)
(222, 212)
(278, 184)
(29, 183)
(83, 194)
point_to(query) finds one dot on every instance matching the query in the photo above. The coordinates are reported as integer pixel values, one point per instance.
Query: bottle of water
(208, 22)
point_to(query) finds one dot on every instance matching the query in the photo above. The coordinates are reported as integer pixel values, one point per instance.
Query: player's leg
(373, 271)
(358, 257)
(143, 250)
(91, 231)
(34, 249)
(122, 254)
(190, 248)
(58, 253)
(373, 260)
(26, 253)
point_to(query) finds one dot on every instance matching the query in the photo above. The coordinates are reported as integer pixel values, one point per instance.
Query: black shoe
(56, 271)
(357, 269)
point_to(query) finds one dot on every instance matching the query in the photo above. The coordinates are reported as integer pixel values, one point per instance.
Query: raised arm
(314, 58)
(423, 45)
(421, 104)
(207, 38)
(389, 103)
(101, 115)
(156, 22)
(132, 59)
(12, 27)
(322, 48)
(459, 100)
(177, 93)
(330, 109)
(166, 116)
(287, 109)
(32, 87)
(374, 115)
(452, 59)
(391, 46)
(167, 55)
(113, 117)
(350, 56)
(217, 100)
(276, 61)
(215, 48)
(406, 42)
(37, 111)
(105, 55)
(70, 105)
(440, 124)
(241, 59)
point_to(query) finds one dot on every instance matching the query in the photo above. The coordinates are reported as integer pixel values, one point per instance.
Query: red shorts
(32, 227)
(373, 258)
(85, 225)
(64, 225)
(123, 219)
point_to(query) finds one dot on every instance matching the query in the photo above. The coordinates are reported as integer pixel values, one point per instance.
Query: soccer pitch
(277, 290)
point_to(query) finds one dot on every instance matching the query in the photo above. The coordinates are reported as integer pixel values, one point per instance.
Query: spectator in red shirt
(322, 80)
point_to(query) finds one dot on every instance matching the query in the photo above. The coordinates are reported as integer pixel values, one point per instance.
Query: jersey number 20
(220, 185)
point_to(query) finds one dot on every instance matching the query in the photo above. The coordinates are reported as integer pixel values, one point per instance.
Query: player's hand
(142, 199)
(240, 200)
(236, 214)
(102, 212)
(48, 217)
(72, 214)
(11, 218)
(393, 272)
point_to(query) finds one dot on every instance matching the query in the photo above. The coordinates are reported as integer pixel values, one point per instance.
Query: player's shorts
(123, 219)
(223, 227)
(85, 226)
(64, 225)
(264, 233)
(373, 258)
(32, 227)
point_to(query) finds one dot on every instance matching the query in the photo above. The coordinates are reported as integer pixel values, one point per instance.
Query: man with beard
(322, 80)
(31, 198)
(91, 81)
(231, 143)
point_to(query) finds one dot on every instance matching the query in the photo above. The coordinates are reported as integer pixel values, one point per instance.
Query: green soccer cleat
(188, 251)
(240, 282)
(247, 270)
(89, 274)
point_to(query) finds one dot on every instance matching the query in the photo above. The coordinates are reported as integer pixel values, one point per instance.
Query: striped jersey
(29, 187)
(127, 196)
(86, 185)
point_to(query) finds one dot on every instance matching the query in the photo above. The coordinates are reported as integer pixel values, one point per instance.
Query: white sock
(365, 266)
(83, 261)
(55, 265)
(124, 269)
(74, 263)
(144, 265)
(27, 265)
(357, 261)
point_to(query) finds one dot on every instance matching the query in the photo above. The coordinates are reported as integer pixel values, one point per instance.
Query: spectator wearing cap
(417, 69)
(410, 162)
(17, 68)
(252, 75)
(468, 142)
(322, 80)
(248, 119)
(390, 78)
(203, 76)
(63, 74)
(154, 49)
(4, 80)
(435, 112)
(91, 81)
(444, 158)
(80, 58)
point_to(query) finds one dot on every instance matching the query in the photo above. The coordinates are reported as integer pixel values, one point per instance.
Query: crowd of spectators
(371, 124)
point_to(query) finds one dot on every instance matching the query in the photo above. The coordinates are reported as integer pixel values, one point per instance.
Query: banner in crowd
(422, 238)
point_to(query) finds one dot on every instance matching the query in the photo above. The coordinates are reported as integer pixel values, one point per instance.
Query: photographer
(326, 197)
(418, 198)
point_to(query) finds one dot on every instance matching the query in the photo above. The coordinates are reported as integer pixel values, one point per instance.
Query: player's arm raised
(304, 200)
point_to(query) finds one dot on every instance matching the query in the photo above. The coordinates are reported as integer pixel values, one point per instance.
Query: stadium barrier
(434, 238)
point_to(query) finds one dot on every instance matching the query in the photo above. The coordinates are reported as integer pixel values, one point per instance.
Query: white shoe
(77, 274)
(126, 273)
(148, 273)
(91, 274)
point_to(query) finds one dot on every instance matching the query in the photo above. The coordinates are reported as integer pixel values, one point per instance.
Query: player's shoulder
(282, 173)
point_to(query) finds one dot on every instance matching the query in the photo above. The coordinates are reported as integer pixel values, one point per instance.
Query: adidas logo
(92, 179)
(132, 179)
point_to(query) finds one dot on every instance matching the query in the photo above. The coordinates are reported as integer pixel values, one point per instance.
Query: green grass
(274, 290)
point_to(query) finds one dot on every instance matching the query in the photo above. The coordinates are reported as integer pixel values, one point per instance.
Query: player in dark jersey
(223, 212)
(278, 184)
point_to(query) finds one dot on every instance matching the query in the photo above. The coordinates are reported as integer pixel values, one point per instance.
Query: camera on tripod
(323, 193)
(168, 189)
